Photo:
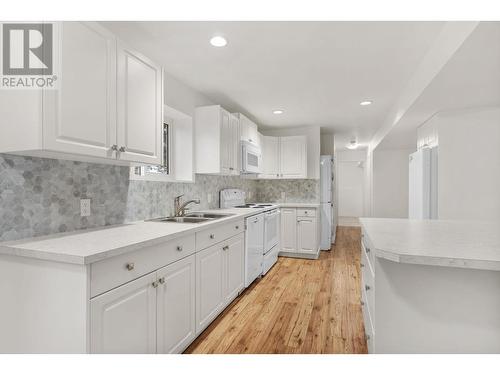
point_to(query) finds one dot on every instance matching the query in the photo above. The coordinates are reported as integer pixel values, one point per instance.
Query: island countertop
(463, 244)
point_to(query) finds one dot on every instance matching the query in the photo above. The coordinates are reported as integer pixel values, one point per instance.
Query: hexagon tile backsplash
(42, 196)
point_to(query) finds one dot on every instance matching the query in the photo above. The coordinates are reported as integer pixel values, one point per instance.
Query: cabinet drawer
(217, 234)
(367, 249)
(307, 212)
(368, 323)
(110, 273)
(368, 291)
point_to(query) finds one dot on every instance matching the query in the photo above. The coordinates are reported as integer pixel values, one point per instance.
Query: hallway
(300, 306)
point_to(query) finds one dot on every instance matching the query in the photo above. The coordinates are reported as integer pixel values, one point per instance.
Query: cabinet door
(235, 266)
(123, 320)
(244, 128)
(225, 142)
(253, 132)
(270, 157)
(209, 285)
(293, 157)
(80, 117)
(307, 235)
(235, 146)
(176, 306)
(289, 229)
(140, 107)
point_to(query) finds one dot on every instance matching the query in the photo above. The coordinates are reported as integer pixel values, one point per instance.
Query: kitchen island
(431, 286)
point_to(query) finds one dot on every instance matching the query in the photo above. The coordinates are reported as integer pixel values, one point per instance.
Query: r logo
(27, 49)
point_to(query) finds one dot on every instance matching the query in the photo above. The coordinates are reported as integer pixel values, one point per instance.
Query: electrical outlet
(209, 198)
(283, 196)
(85, 207)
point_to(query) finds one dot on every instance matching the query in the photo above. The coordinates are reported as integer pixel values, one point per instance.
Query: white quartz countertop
(88, 246)
(464, 244)
(305, 205)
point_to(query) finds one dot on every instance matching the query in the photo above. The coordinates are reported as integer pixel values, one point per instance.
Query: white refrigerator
(423, 184)
(328, 224)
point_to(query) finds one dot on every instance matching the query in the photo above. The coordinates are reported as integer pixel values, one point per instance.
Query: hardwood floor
(300, 306)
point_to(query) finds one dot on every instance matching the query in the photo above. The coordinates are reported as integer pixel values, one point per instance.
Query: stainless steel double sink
(192, 218)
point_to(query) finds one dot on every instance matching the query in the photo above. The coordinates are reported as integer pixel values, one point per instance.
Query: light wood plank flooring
(300, 306)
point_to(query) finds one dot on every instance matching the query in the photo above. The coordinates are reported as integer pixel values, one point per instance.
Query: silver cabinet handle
(256, 221)
(162, 280)
(362, 265)
(130, 266)
(367, 287)
(368, 337)
(237, 227)
(367, 249)
(155, 284)
(249, 140)
(122, 149)
(305, 212)
(277, 174)
(114, 148)
(179, 248)
(225, 248)
(362, 303)
(212, 236)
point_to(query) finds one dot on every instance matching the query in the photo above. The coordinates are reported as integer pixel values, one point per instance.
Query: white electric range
(261, 235)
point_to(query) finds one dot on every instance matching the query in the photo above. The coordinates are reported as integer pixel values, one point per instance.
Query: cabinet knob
(212, 236)
(368, 337)
(122, 149)
(179, 248)
(362, 265)
(225, 248)
(162, 280)
(367, 249)
(249, 140)
(130, 266)
(367, 287)
(305, 212)
(277, 174)
(155, 284)
(114, 148)
(237, 227)
(362, 303)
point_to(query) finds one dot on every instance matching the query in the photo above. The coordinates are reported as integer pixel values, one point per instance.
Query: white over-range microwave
(251, 158)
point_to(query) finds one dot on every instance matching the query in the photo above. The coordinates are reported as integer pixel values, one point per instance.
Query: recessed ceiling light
(218, 41)
(352, 145)
(278, 111)
(366, 102)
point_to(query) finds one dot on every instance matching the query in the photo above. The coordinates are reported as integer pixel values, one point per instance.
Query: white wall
(469, 164)
(327, 144)
(390, 183)
(313, 145)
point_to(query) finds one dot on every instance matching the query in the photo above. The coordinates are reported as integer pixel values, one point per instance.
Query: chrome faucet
(180, 209)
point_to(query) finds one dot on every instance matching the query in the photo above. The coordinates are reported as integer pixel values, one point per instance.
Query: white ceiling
(317, 72)
(470, 79)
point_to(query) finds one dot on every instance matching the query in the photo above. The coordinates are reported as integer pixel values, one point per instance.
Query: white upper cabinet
(284, 157)
(140, 107)
(293, 157)
(248, 130)
(216, 141)
(80, 117)
(270, 157)
(107, 106)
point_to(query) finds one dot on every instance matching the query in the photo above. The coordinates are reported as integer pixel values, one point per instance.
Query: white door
(235, 266)
(289, 229)
(140, 107)
(307, 235)
(225, 142)
(293, 157)
(80, 117)
(210, 288)
(176, 306)
(351, 189)
(235, 145)
(270, 157)
(123, 320)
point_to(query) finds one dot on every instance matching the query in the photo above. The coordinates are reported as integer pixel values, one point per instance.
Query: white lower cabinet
(123, 320)
(209, 285)
(299, 232)
(219, 278)
(176, 306)
(307, 236)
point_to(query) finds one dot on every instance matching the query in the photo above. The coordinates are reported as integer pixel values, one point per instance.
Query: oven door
(251, 158)
(271, 230)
